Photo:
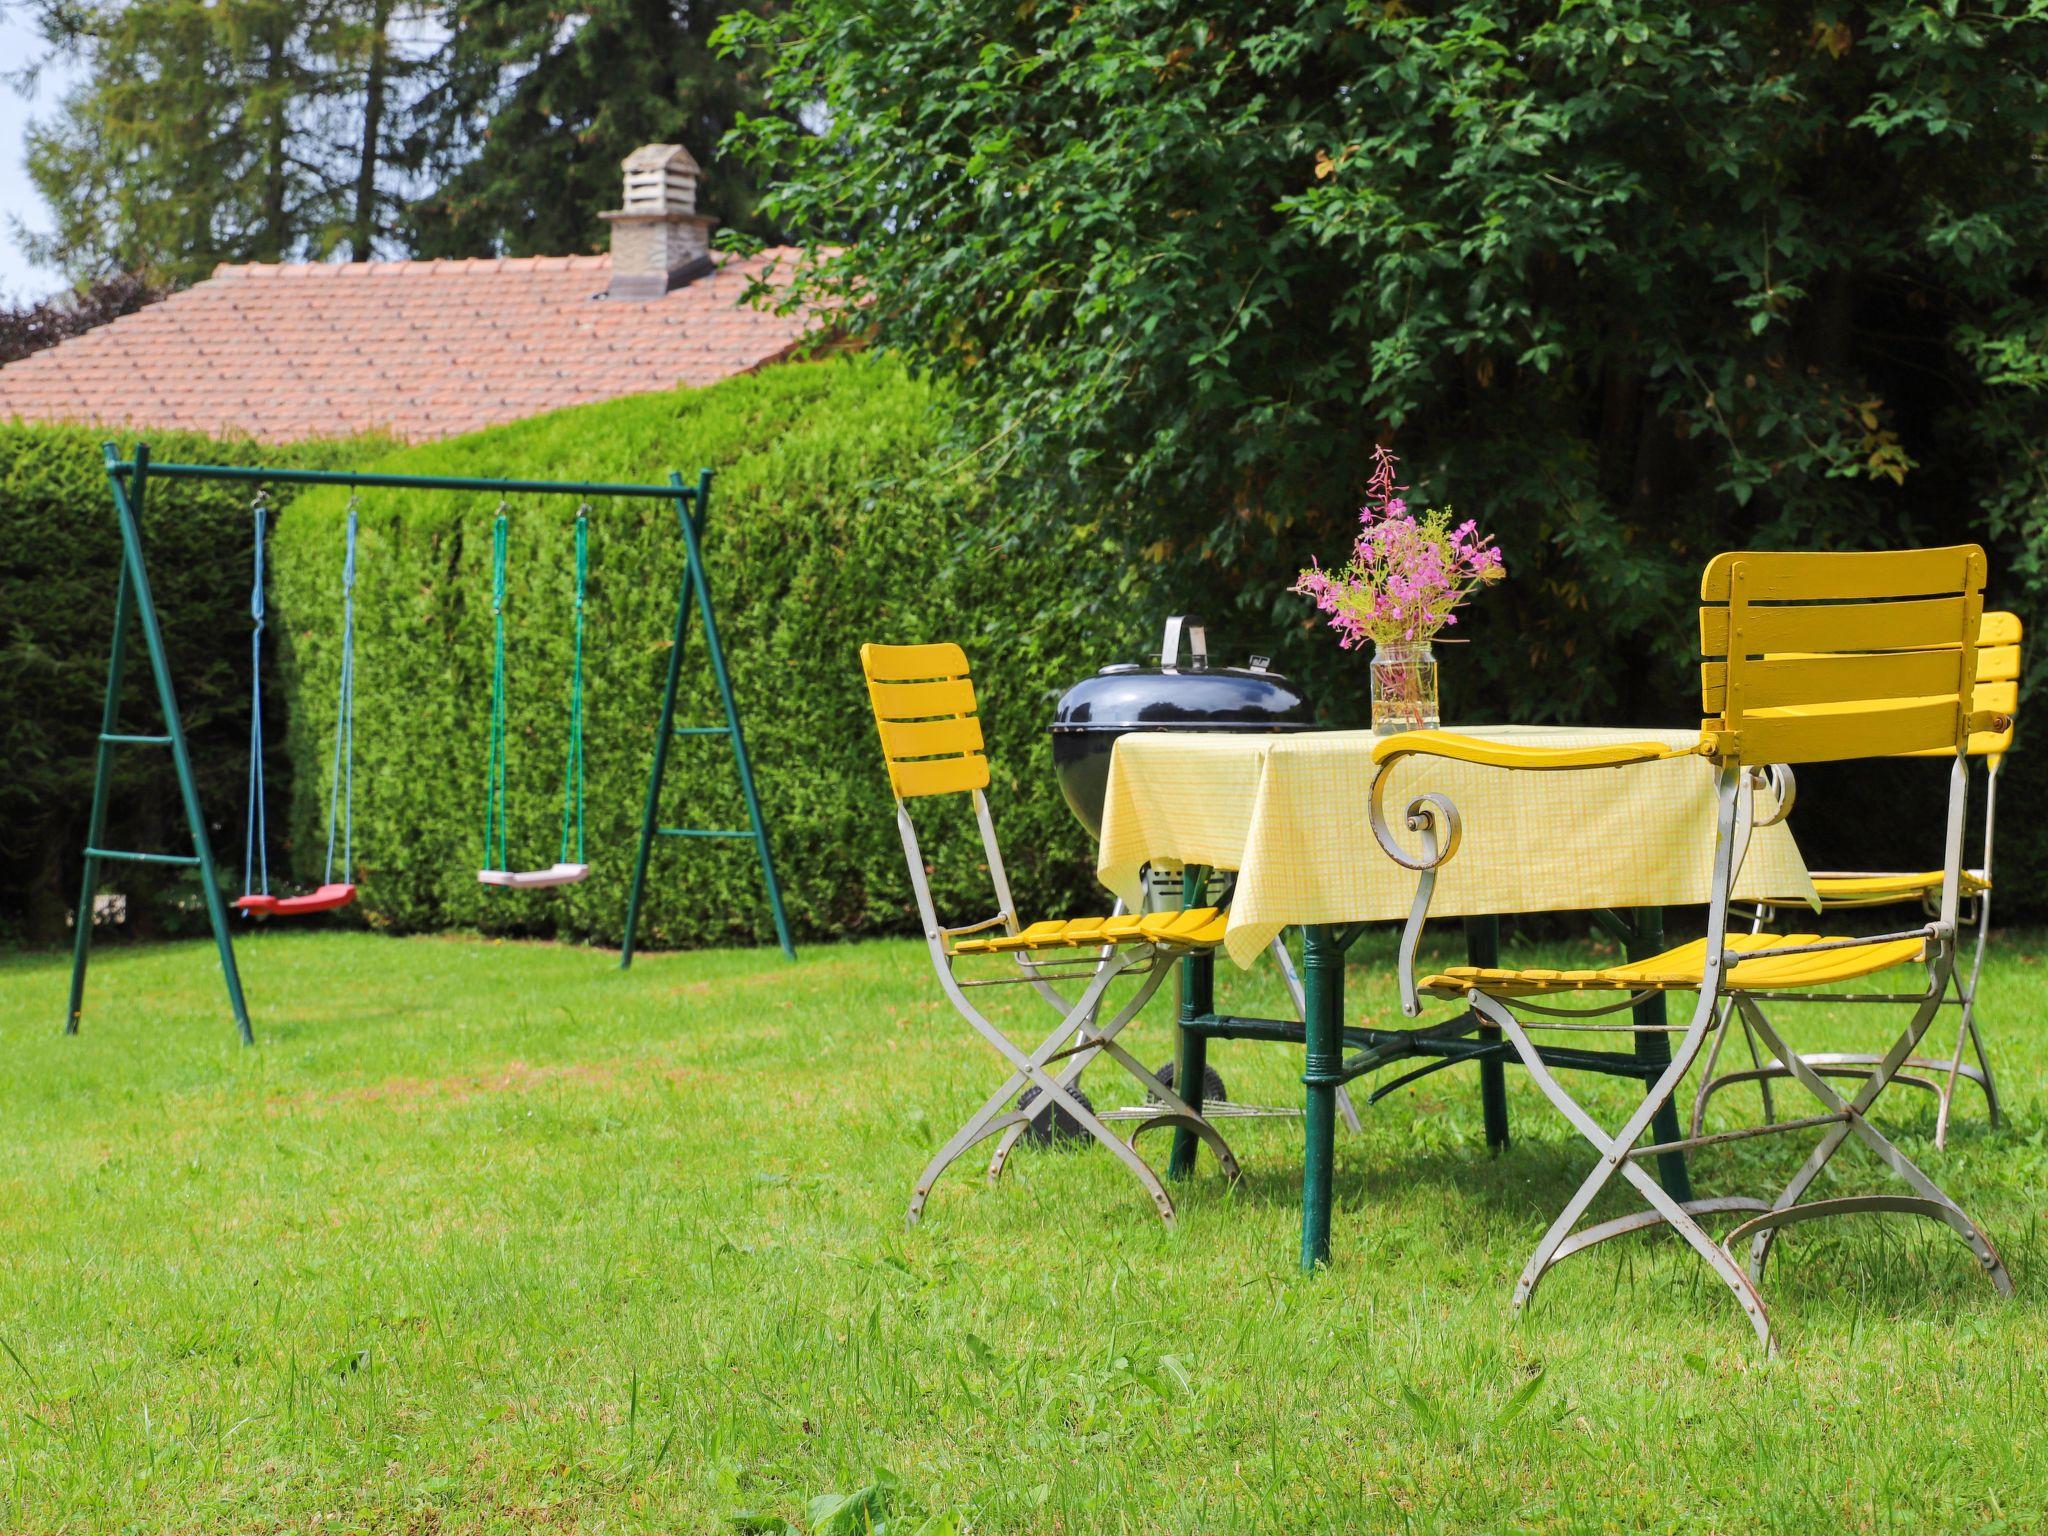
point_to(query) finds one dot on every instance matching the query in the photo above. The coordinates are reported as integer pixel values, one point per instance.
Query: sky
(19, 277)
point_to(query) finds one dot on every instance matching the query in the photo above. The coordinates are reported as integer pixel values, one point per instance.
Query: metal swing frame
(1780, 633)
(128, 482)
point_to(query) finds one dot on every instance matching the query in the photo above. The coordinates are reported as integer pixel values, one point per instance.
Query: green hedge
(59, 562)
(815, 544)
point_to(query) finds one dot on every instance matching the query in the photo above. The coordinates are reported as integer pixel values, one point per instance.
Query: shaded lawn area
(490, 1237)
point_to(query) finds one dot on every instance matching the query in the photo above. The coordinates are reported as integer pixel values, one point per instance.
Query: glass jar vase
(1404, 696)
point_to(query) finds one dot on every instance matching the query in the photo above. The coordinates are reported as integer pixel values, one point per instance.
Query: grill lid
(1188, 695)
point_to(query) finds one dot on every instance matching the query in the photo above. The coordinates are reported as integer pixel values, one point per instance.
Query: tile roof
(416, 349)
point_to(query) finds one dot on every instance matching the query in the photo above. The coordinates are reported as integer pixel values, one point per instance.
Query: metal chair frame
(1435, 822)
(1290, 978)
(1937, 1075)
(1077, 1039)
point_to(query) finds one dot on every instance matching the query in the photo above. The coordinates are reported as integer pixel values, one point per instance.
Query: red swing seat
(325, 899)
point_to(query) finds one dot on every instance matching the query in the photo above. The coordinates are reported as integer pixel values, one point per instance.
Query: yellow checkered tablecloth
(1289, 814)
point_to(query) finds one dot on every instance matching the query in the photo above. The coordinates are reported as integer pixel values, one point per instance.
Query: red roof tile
(416, 349)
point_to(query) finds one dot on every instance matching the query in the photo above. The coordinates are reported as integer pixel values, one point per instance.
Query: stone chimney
(659, 240)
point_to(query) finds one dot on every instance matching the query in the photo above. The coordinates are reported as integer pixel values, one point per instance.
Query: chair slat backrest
(1818, 657)
(1998, 683)
(925, 712)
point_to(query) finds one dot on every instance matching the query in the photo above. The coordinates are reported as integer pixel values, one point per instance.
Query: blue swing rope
(256, 835)
(342, 795)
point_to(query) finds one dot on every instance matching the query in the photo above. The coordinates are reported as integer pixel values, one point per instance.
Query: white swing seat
(535, 879)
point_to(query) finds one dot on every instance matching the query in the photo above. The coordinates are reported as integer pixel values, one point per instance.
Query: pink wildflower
(1406, 576)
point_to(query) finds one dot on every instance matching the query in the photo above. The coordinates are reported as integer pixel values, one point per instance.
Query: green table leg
(1191, 1054)
(1646, 925)
(1322, 982)
(1482, 947)
(1191, 1051)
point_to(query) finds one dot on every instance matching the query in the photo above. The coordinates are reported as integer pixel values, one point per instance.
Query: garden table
(1289, 814)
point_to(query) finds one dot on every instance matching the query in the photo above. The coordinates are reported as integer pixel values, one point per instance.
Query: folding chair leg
(1994, 1115)
(1708, 1082)
(1560, 1241)
(1940, 1080)
(1762, 1073)
(986, 1122)
(1759, 1073)
(1966, 1034)
(994, 1115)
(1069, 1074)
(1931, 1200)
(1175, 1111)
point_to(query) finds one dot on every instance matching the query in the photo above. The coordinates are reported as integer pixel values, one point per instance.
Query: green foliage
(555, 102)
(825, 530)
(203, 131)
(26, 328)
(1630, 281)
(57, 586)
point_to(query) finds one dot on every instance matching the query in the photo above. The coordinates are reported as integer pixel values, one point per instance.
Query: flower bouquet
(1403, 584)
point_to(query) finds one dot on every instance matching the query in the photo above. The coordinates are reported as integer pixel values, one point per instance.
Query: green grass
(489, 1237)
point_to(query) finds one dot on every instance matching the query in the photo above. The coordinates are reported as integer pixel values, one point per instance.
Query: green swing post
(134, 603)
(690, 509)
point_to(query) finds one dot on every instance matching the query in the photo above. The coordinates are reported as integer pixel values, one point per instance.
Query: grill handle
(1198, 644)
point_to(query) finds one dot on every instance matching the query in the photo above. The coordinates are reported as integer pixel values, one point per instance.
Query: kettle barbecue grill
(1171, 696)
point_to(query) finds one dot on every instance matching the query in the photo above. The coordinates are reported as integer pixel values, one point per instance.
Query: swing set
(134, 607)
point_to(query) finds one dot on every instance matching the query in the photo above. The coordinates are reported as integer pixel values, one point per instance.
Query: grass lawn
(490, 1237)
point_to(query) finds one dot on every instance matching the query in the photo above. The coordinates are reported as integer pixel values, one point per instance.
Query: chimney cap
(653, 156)
(661, 179)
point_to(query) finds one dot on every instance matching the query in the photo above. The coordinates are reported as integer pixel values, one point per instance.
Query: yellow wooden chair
(1998, 671)
(925, 711)
(1806, 658)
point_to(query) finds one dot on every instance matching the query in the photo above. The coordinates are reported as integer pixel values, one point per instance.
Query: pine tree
(552, 99)
(229, 130)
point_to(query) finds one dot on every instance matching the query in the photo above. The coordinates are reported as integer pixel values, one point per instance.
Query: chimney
(659, 240)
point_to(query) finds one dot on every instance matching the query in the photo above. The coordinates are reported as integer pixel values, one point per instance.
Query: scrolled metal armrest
(1783, 786)
(1436, 820)
(1423, 815)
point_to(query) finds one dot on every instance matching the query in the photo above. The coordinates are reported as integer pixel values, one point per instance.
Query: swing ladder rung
(142, 858)
(114, 739)
(700, 832)
(703, 730)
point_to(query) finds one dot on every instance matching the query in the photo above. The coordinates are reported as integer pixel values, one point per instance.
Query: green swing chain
(494, 790)
(572, 788)
(572, 779)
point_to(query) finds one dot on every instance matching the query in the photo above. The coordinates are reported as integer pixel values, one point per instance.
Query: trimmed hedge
(59, 563)
(827, 528)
